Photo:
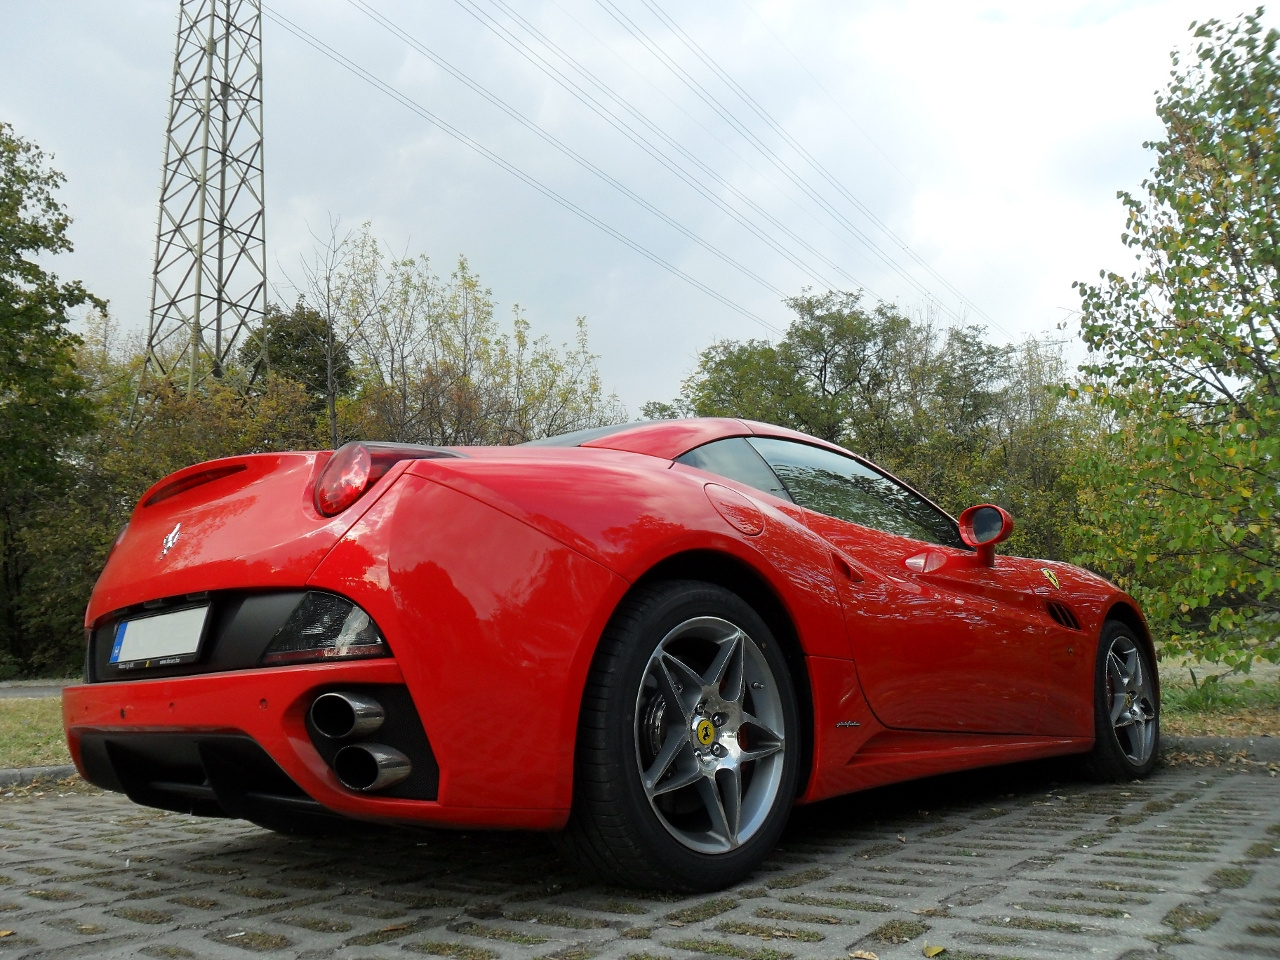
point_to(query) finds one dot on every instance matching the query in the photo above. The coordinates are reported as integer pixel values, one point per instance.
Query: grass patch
(31, 732)
(866, 906)
(797, 879)
(1230, 878)
(703, 911)
(499, 933)
(898, 931)
(1235, 707)
(556, 918)
(318, 924)
(1033, 923)
(1187, 917)
(458, 951)
(141, 915)
(772, 913)
(719, 948)
(768, 932)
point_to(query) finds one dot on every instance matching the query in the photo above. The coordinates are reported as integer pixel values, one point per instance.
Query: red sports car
(655, 636)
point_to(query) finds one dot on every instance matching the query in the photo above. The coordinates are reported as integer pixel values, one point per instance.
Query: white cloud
(991, 137)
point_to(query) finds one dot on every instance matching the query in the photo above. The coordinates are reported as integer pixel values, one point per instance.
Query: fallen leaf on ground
(934, 951)
(863, 955)
(6, 933)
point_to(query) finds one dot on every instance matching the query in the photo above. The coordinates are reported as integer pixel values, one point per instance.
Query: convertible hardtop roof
(669, 439)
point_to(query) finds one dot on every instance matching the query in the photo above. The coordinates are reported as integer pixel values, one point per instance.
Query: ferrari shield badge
(1051, 577)
(170, 539)
(706, 732)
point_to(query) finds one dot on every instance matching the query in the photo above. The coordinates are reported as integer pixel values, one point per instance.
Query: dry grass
(31, 732)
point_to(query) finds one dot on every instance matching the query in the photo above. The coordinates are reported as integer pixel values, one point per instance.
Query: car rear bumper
(231, 727)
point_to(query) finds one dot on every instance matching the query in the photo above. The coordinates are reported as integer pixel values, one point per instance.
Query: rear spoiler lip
(176, 482)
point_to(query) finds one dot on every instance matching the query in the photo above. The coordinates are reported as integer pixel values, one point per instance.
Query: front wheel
(1126, 707)
(688, 742)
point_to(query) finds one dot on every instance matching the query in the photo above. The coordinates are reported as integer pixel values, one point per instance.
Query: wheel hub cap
(1131, 696)
(713, 778)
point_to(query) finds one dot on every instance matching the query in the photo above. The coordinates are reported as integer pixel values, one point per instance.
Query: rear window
(736, 459)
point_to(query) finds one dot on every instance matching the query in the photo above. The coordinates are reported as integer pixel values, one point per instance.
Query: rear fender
(493, 624)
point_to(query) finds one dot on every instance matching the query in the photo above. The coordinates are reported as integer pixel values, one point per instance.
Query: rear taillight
(346, 476)
(356, 466)
(325, 626)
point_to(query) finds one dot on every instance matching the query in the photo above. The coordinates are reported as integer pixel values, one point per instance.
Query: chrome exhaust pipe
(370, 766)
(340, 715)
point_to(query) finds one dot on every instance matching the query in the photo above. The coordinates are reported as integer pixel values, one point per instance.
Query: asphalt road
(32, 689)
(1020, 862)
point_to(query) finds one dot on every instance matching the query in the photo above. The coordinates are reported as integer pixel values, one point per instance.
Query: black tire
(1124, 748)
(615, 830)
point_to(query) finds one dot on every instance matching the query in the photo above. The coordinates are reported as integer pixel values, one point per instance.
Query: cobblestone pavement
(1020, 862)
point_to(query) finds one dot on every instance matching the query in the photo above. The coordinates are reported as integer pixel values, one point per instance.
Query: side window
(736, 460)
(842, 487)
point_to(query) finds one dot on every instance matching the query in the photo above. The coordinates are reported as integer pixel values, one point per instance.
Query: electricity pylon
(209, 284)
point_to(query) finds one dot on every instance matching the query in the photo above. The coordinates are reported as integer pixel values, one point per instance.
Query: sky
(959, 159)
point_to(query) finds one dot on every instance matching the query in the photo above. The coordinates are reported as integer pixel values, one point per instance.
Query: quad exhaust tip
(368, 767)
(339, 715)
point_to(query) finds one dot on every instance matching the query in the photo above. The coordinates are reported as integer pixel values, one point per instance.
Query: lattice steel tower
(209, 285)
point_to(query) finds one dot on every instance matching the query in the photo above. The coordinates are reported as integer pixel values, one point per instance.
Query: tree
(42, 398)
(434, 367)
(1186, 360)
(304, 348)
(963, 420)
(66, 540)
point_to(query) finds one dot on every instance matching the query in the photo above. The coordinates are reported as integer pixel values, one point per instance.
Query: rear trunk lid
(240, 522)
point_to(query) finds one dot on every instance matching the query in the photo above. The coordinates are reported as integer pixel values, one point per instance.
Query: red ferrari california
(655, 637)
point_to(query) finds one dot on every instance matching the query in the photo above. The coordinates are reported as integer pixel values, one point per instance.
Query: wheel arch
(1127, 614)
(739, 577)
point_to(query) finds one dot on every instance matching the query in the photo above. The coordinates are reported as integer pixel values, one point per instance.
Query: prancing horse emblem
(1051, 577)
(170, 539)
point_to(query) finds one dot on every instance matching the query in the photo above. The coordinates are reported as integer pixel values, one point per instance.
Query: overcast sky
(970, 152)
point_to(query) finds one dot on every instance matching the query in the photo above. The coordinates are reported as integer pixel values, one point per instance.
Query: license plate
(159, 640)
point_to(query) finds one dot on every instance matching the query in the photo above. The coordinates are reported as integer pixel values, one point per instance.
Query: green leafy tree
(1186, 360)
(42, 397)
(962, 419)
(303, 348)
(110, 467)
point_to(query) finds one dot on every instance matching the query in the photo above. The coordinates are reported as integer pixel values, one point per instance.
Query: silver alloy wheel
(1132, 700)
(710, 735)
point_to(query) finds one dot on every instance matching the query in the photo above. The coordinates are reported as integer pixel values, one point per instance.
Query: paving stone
(1020, 862)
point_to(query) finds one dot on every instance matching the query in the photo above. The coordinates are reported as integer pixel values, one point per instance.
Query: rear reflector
(325, 627)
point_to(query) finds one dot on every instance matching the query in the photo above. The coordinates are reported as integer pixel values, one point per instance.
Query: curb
(1261, 749)
(24, 775)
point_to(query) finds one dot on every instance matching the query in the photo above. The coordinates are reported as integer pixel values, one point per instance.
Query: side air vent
(1062, 613)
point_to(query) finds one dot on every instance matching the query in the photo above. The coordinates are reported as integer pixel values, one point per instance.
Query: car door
(938, 645)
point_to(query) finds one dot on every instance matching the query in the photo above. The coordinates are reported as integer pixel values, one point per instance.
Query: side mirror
(982, 527)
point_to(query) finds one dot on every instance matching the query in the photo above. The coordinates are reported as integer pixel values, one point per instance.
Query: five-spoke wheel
(688, 743)
(1126, 706)
(710, 734)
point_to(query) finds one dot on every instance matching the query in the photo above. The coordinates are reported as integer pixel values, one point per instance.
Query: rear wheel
(1126, 707)
(688, 742)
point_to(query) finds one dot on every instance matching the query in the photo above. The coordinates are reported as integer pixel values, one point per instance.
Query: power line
(558, 144)
(638, 33)
(830, 96)
(323, 48)
(621, 125)
(755, 106)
